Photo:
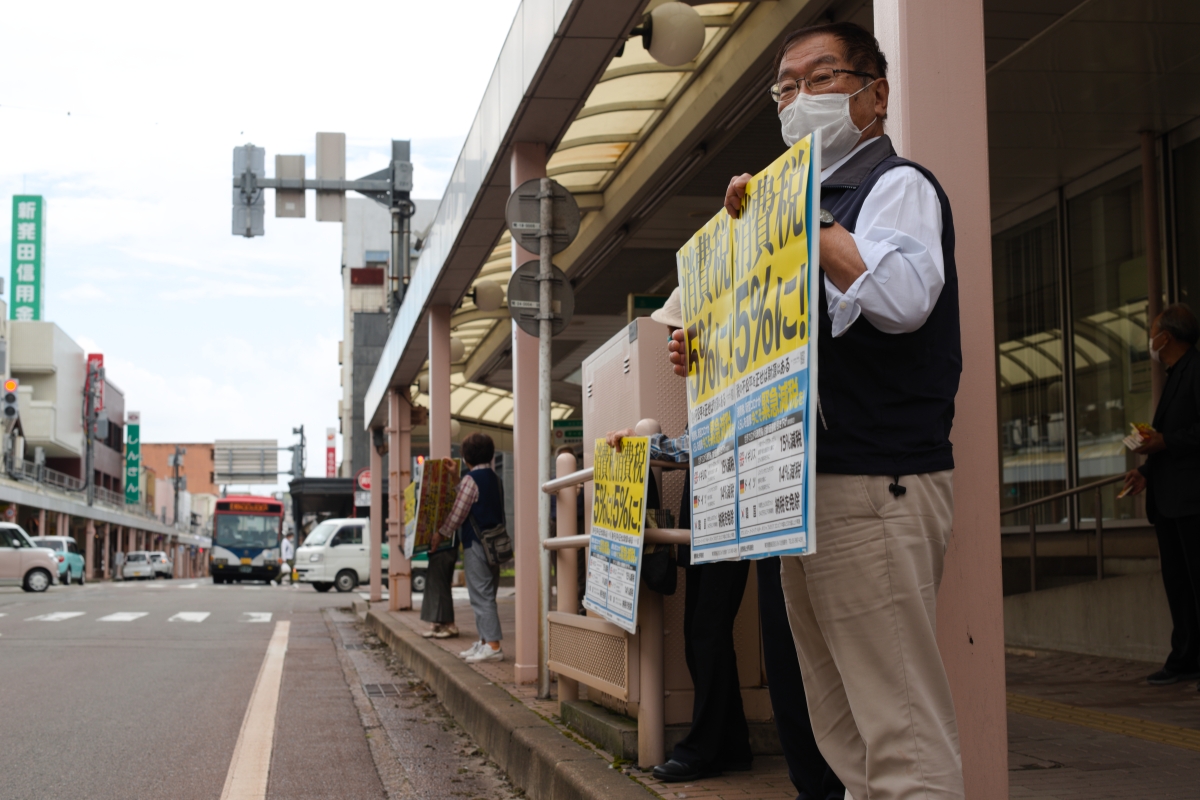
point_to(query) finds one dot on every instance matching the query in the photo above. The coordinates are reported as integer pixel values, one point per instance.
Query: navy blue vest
(488, 509)
(886, 400)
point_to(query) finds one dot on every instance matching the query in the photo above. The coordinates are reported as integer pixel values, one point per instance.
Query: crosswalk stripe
(123, 616)
(257, 616)
(57, 616)
(190, 616)
(190, 586)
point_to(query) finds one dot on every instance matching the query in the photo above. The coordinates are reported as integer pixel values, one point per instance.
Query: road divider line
(251, 763)
(123, 616)
(190, 616)
(256, 616)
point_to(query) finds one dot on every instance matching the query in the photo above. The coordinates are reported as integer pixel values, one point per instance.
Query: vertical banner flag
(331, 452)
(95, 363)
(133, 456)
(28, 240)
(614, 564)
(746, 288)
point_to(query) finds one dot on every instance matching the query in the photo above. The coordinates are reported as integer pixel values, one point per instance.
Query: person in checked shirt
(479, 504)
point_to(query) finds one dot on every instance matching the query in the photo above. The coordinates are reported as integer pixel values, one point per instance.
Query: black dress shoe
(677, 771)
(1165, 677)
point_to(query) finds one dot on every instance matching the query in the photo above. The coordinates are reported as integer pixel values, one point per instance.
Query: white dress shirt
(287, 549)
(899, 237)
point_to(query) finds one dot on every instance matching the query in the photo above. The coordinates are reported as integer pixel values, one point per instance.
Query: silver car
(137, 566)
(162, 565)
(24, 564)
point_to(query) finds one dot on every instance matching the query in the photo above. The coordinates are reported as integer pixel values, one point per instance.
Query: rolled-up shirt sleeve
(899, 237)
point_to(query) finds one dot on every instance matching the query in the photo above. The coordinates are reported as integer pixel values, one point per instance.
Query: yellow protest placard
(618, 527)
(746, 286)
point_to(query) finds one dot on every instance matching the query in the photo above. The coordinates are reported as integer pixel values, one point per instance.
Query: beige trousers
(863, 614)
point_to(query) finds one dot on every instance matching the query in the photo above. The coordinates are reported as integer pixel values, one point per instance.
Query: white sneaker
(485, 653)
(470, 651)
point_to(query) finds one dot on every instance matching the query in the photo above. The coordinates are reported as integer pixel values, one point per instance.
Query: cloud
(212, 335)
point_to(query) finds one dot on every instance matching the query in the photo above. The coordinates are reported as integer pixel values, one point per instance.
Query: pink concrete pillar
(937, 116)
(439, 382)
(528, 162)
(399, 475)
(107, 551)
(41, 522)
(89, 550)
(376, 519)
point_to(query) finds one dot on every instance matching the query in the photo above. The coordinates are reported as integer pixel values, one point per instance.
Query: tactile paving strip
(1187, 738)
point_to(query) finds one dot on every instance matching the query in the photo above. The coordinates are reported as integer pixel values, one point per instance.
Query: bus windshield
(247, 530)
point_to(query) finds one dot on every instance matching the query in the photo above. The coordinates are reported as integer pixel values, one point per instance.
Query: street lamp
(672, 33)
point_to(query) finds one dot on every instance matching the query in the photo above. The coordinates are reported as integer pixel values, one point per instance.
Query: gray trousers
(482, 580)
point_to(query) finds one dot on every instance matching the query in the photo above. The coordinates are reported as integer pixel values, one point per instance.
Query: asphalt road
(120, 690)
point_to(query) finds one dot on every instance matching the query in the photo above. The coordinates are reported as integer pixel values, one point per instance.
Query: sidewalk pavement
(1078, 727)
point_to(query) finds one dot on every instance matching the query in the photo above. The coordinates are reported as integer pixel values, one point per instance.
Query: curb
(537, 757)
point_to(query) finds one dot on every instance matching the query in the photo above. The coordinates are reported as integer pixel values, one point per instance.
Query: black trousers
(719, 736)
(811, 776)
(1179, 549)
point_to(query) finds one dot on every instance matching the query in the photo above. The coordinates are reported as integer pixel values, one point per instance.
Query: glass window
(1029, 367)
(1187, 217)
(320, 534)
(1112, 361)
(247, 530)
(49, 544)
(350, 534)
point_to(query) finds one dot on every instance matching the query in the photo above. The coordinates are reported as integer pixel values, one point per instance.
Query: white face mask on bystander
(1156, 352)
(828, 113)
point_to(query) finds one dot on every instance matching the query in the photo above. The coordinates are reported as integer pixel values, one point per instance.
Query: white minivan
(337, 553)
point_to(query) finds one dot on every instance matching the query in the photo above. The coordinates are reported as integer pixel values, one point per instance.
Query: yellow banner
(740, 277)
(619, 482)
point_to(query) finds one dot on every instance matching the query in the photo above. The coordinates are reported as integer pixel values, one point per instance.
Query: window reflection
(1112, 362)
(1187, 211)
(1029, 367)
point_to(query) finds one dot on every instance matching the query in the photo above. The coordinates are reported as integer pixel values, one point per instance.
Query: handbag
(497, 544)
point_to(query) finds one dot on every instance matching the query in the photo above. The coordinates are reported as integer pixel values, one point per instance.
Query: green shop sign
(133, 457)
(28, 241)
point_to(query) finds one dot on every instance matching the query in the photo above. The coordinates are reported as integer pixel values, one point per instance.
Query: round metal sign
(363, 479)
(523, 214)
(523, 299)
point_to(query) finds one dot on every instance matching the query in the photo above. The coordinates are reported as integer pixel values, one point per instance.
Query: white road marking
(57, 616)
(123, 616)
(190, 586)
(251, 763)
(190, 616)
(156, 586)
(257, 616)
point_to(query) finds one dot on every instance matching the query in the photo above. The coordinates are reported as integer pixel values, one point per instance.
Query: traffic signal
(8, 400)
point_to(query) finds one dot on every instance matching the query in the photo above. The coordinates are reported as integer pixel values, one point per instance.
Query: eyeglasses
(819, 80)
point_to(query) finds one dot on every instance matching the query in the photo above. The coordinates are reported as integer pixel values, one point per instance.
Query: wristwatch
(826, 218)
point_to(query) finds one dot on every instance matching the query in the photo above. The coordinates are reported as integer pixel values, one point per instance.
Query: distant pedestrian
(1171, 478)
(287, 550)
(479, 507)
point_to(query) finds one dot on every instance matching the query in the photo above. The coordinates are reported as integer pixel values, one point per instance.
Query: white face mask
(1156, 352)
(828, 113)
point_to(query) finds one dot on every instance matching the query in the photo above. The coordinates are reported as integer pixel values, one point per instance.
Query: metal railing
(43, 474)
(1096, 487)
(644, 672)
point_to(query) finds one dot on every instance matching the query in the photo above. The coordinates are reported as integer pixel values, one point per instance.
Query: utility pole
(299, 457)
(177, 483)
(94, 424)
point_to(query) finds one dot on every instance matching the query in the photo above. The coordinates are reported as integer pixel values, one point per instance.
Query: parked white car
(137, 566)
(161, 564)
(337, 553)
(24, 564)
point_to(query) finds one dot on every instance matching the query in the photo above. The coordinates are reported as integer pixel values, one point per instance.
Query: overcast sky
(124, 117)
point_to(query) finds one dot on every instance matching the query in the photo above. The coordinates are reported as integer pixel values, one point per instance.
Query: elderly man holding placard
(862, 599)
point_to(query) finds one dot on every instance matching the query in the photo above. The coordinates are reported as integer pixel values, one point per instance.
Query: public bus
(246, 539)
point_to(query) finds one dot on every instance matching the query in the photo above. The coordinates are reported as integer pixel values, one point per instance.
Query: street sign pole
(545, 321)
(532, 212)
